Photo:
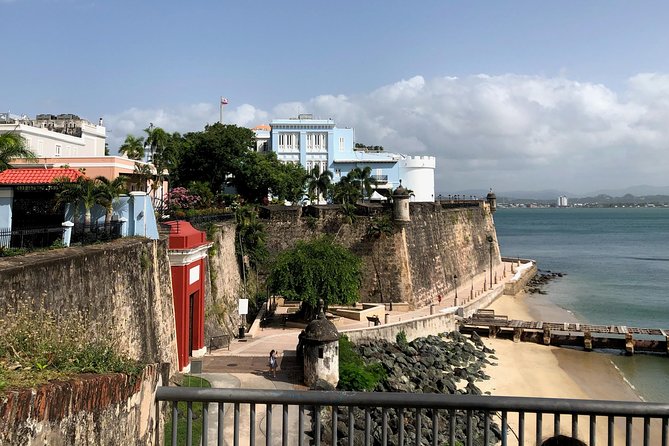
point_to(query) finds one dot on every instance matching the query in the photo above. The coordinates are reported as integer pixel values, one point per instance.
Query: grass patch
(182, 420)
(36, 346)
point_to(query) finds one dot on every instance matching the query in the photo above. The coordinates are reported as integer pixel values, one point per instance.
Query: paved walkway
(245, 364)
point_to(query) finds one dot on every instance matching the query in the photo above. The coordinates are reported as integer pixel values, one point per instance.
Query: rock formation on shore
(448, 364)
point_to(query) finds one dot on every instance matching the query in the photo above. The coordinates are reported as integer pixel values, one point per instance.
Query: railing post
(67, 232)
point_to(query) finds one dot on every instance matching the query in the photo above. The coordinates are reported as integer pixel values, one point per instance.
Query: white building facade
(52, 136)
(320, 143)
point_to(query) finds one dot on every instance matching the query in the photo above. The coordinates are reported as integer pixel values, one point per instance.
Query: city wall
(224, 286)
(122, 289)
(415, 263)
(110, 409)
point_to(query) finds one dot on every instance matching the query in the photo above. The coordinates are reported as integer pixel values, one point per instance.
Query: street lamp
(455, 300)
(491, 241)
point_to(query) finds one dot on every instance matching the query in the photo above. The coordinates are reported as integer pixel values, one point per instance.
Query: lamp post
(455, 299)
(490, 240)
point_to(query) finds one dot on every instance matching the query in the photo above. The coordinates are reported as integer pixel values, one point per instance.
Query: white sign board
(194, 274)
(243, 306)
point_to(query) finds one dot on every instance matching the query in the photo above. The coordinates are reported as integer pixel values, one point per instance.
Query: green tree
(346, 191)
(82, 192)
(317, 269)
(213, 155)
(252, 235)
(144, 173)
(132, 147)
(108, 192)
(289, 182)
(319, 183)
(364, 180)
(12, 145)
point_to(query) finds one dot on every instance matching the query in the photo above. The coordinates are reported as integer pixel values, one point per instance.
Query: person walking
(272, 362)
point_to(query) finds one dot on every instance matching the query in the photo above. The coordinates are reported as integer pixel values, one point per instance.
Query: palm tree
(133, 147)
(363, 178)
(108, 192)
(12, 145)
(161, 150)
(319, 183)
(84, 191)
(144, 172)
(346, 191)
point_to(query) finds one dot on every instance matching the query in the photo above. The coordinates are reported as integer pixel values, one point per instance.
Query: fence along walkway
(521, 421)
(630, 339)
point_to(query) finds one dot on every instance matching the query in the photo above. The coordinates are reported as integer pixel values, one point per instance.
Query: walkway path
(245, 364)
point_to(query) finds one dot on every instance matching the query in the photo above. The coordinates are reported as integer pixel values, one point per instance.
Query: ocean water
(617, 272)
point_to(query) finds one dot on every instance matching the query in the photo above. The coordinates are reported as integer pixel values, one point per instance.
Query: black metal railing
(198, 220)
(370, 418)
(30, 238)
(380, 178)
(96, 232)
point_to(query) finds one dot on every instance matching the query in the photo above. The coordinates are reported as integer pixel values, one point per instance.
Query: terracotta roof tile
(18, 177)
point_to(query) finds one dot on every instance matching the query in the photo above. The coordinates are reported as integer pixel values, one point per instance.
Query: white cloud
(508, 131)
(185, 118)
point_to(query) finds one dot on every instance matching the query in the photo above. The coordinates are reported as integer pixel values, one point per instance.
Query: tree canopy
(213, 155)
(12, 145)
(317, 269)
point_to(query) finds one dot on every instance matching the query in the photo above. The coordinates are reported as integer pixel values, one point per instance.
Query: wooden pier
(589, 337)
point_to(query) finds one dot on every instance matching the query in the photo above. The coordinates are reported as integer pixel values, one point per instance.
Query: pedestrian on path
(272, 362)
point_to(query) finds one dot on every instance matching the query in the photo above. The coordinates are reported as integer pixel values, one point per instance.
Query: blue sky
(570, 95)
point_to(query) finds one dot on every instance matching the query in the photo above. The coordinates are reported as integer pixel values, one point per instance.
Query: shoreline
(557, 371)
(532, 370)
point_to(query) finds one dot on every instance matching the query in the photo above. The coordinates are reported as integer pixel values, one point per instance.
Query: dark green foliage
(401, 338)
(251, 236)
(354, 372)
(317, 269)
(212, 155)
(259, 174)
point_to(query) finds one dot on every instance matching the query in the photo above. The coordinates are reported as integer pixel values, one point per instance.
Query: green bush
(354, 373)
(401, 338)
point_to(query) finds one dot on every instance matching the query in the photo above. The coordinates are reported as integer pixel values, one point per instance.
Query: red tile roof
(18, 177)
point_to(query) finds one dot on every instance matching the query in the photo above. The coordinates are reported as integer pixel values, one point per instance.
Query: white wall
(44, 143)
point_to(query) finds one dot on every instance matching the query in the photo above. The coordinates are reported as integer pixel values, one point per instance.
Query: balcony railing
(380, 178)
(307, 417)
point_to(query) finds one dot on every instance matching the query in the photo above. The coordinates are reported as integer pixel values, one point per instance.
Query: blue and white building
(319, 142)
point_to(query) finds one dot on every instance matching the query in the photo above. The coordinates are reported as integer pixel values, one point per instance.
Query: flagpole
(223, 103)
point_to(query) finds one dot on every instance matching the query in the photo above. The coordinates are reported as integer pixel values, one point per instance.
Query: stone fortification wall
(224, 283)
(122, 288)
(442, 243)
(413, 264)
(107, 409)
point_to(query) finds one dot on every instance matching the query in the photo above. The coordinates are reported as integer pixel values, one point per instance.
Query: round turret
(491, 198)
(401, 204)
(320, 343)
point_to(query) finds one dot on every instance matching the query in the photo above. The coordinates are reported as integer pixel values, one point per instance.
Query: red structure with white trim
(188, 252)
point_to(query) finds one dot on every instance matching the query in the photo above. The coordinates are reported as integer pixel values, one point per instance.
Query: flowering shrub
(181, 198)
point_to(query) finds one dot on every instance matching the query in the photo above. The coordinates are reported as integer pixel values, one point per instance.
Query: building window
(289, 141)
(341, 144)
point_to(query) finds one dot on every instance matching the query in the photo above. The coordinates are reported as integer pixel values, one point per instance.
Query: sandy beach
(533, 370)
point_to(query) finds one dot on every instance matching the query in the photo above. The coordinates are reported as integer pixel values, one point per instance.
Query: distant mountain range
(553, 194)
